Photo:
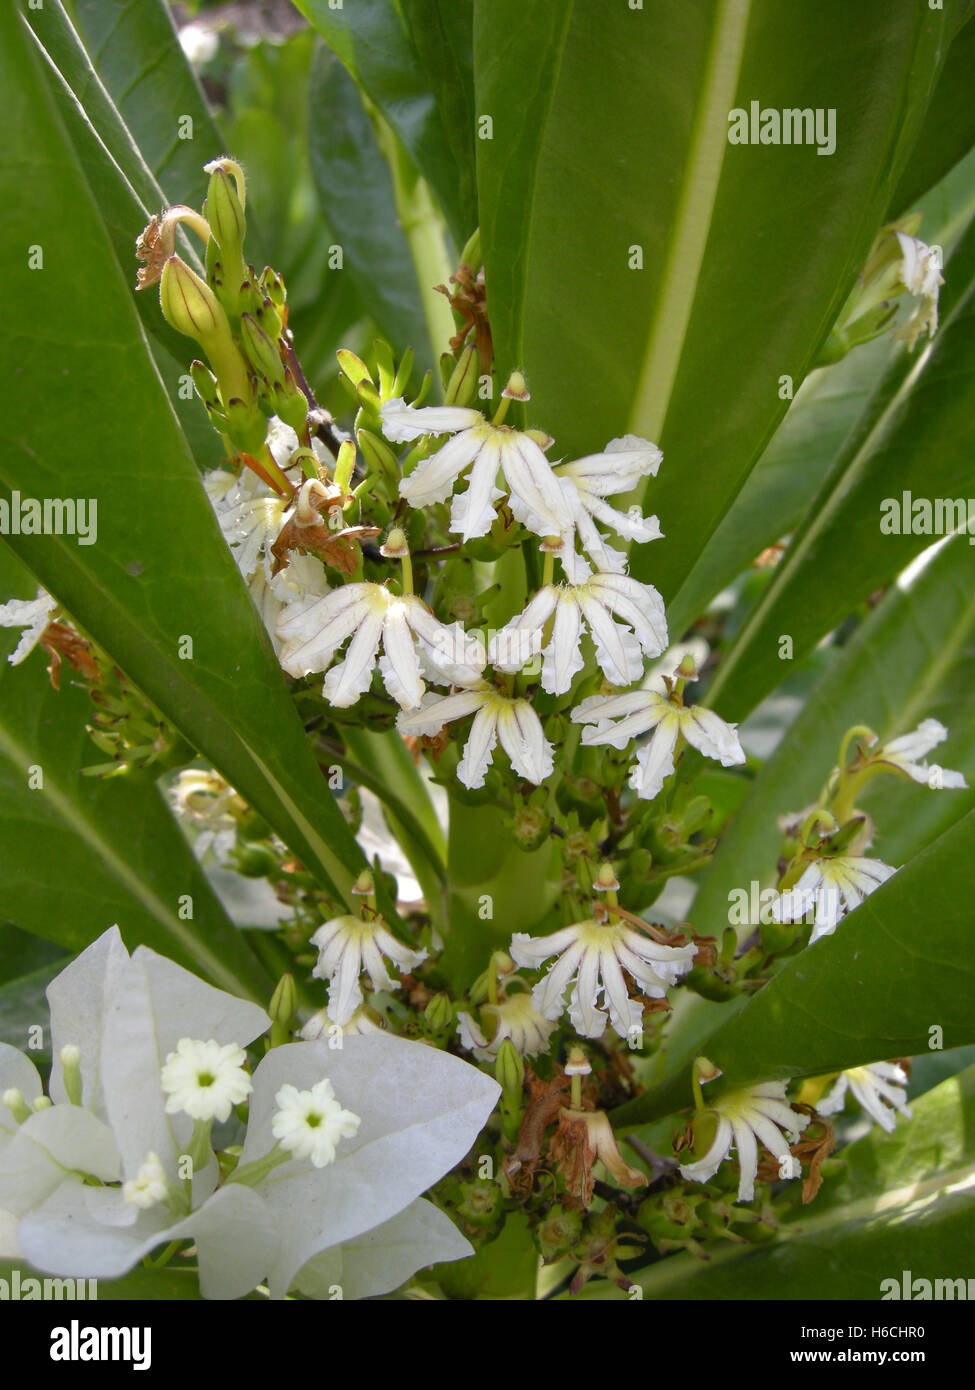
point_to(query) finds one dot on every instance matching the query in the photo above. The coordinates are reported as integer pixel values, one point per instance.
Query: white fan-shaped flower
(920, 270)
(536, 497)
(592, 957)
(515, 1018)
(313, 629)
(588, 482)
(615, 719)
(830, 888)
(879, 1087)
(251, 516)
(908, 754)
(33, 615)
(348, 945)
(496, 716)
(745, 1117)
(596, 603)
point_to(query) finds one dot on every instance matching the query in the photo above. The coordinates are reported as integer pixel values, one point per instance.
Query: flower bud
(463, 379)
(439, 1013)
(224, 212)
(246, 425)
(14, 1101)
(353, 367)
(205, 383)
(284, 1004)
(509, 1071)
(70, 1056)
(345, 466)
(256, 861)
(379, 457)
(261, 352)
(189, 304)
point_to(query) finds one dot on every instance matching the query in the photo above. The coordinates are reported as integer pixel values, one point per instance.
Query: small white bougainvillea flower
(314, 629)
(496, 716)
(515, 1018)
(594, 603)
(149, 1186)
(831, 888)
(359, 1221)
(33, 615)
(311, 1124)
(347, 946)
(743, 1118)
(205, 1080)
(920, 270)
(872, 1086)
(906, 754)
(592, 957)
(536, 498)
(639, 710)
(589, 481)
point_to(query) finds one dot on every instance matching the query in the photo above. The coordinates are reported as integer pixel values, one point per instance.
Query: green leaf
(904, 1201)
(896, 967)
(355, 189)
(373, 41)
(116, 852)
(139, 59)
(160, 572)
(924, 410)
(747, 251)
(948, 132)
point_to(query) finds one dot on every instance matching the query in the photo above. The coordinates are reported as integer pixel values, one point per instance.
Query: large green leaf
(139, 59)
(894, 969)
(924, 411)
(747, 251)
(904, 1201)
(160, 572)
(374, 42)
(355, 189)
(948, 132)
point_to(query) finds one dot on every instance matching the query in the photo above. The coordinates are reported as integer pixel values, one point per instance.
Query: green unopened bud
(403, 373)
(256, 861)
(291, 403)
(463, 379)
(284, 1004)
(191, 307)
(70, 1056)
(345, 466)
(205, 383)
(225, 213)
(261, 352)
(14, 1101)
(353, 367)
(246, 425)
(509, 1070)
(379, 457)
(439, 1013)
(695, 815)
(384, 362)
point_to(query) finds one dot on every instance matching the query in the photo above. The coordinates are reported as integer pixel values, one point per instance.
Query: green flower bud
(509, 1071)
(379, 457)
(256, 861)
(205, 383)
(246, 425)
(463, 379)
(191, 307)
(261, 352)
(291, 403)
(353, 367)
(345, 465)
(284, 1004)
(224, 212)
(439, 1013)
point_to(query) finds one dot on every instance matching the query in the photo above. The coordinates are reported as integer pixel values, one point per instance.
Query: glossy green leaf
(903, 1201)
(747, 251)
(355, 190)
(893, 970)
(160, 572)
(141, 63)
(948, 132)
(82, 853)
(374, 42)
(923, 411)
